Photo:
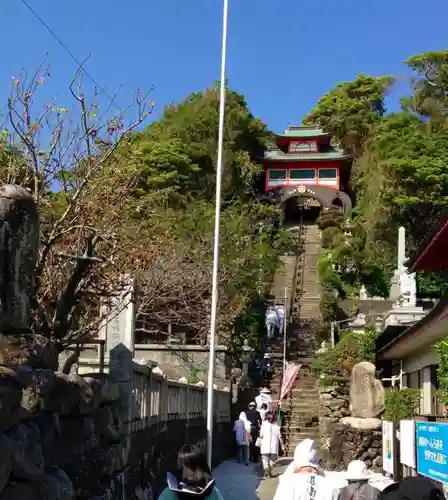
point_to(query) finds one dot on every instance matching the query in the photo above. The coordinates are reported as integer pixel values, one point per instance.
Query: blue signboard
(432, 450)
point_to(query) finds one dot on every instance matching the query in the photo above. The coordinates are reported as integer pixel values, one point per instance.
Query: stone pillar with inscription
(119, 319)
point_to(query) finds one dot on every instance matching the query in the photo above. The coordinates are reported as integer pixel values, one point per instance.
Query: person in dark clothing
(193, 478)
(412, 488)
(267, 369)
(254, 418)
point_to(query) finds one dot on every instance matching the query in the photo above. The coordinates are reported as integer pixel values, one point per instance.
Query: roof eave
(301, 158)
(417, 327)
(429, 242)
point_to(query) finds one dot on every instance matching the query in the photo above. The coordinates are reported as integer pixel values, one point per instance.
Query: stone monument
(366, 398)
(19, 237)
(403, 291)
(403, 288)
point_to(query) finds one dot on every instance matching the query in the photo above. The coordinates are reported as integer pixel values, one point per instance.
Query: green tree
(189, 131)
(351, 109)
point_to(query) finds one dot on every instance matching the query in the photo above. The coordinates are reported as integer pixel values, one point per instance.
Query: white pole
(215, 276)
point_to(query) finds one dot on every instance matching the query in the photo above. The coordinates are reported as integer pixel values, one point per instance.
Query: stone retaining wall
(349, 444)
(341, 443)
(333, 406)
(62, 438)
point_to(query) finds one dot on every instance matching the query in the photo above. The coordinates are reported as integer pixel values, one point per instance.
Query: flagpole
(215, 275)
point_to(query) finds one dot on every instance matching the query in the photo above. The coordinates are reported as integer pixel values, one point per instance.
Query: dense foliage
(116, 203)
(399, 173)
(401, 404)
(335, 364)
(442, 370)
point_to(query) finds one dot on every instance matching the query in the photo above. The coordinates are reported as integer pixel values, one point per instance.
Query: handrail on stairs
(300, 234)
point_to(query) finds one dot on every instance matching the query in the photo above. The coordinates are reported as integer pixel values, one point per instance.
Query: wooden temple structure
(304, 165)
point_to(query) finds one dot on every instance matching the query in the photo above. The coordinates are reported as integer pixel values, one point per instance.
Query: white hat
(305, 455)
(265, 390)
(252, 403)
(357, 471)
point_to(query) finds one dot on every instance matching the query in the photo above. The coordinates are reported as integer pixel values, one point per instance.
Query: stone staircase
(301, 413)
(284, 277)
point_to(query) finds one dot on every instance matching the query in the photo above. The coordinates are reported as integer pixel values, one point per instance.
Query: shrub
(401, 404)
(332, 217)
(442, 370)
(332, 237)
(337, 362)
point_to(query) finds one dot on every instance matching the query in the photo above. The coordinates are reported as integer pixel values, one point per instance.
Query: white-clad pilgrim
(264, 397)
(304, 478)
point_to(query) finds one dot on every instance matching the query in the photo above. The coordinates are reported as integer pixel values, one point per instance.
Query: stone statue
(366, 397)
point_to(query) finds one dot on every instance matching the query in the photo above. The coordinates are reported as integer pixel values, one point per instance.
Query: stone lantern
(246, 358)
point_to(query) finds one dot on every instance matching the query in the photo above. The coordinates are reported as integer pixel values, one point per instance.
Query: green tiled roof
(295, 131)
(279, 155)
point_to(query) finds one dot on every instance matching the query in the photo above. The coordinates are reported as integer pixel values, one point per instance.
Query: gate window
(302, 174)
(327, 173)
(277, 175)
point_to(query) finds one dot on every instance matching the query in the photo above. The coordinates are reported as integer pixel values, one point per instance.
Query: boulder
(32, 350)
(366, 392)
(50, 431)
(10, 398)
(37, 386)
(64, 396)
(362, 423)
(6, 450)
(110, 391)
(77, 436)
(21, 491)
(105, 429)
(89, 392)
(28, 461)
(57, 486)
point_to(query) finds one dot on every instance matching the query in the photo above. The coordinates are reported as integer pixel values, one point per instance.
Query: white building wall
(417, 367)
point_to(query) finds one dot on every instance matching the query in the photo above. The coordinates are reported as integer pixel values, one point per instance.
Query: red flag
(289, 376)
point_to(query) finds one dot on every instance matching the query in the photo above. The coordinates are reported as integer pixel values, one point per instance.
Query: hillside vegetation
(399, 174)
(119, 200)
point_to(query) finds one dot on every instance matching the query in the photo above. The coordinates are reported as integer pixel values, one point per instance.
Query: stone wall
(341, 443)
(349, 444)
(87, 437)
(333, 406)
(90, 437)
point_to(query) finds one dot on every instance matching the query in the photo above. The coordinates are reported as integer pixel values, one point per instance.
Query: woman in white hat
(358, 488)
(264, 397)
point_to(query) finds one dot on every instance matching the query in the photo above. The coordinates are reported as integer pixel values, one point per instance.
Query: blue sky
(282, 54)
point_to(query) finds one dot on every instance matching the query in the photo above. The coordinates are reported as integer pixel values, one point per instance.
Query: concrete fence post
(121, 372)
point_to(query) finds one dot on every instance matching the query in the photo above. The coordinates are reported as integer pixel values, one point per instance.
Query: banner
(407, 443)
(289, 376)
(388, 447)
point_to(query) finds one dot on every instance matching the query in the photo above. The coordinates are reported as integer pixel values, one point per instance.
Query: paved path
(237, 482)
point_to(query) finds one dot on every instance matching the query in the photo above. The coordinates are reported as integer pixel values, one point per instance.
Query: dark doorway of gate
(301, 210)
